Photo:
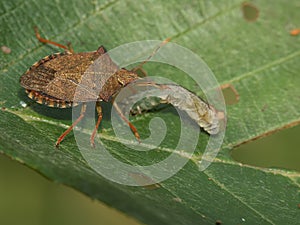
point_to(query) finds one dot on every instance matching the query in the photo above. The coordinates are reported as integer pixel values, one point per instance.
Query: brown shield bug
(53, 81)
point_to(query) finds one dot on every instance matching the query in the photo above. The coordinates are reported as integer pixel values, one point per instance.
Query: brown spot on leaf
(250, 12)
(5, 49)
(230, 94)
(295, 32)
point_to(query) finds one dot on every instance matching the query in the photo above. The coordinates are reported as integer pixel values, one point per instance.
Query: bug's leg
(83, 109)
(46, 41)
(99, 112)
(132, 127)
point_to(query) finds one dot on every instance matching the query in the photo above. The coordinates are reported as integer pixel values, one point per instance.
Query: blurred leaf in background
(245, 45)
(28, 198)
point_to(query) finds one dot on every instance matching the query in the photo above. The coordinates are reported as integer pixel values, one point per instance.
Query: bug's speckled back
(60, 76)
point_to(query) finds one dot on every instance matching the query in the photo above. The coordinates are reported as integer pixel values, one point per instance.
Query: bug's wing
(60, 75)
(70, 90)
(38, 78)
(83, 82)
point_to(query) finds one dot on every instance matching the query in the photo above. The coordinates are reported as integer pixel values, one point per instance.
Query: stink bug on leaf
(53, 81)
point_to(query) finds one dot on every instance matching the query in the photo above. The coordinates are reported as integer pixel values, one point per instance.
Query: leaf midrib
(194, 158)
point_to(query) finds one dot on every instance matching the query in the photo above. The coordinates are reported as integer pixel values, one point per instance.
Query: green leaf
(259, 58)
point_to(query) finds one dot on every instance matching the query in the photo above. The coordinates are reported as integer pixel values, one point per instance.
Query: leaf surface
(259, 58)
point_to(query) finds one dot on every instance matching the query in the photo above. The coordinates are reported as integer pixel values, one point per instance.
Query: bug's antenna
(152, 54)
(47, 41)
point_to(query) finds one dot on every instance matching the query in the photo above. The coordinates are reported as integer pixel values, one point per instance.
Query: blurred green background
(279, 150)
(28, 198)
